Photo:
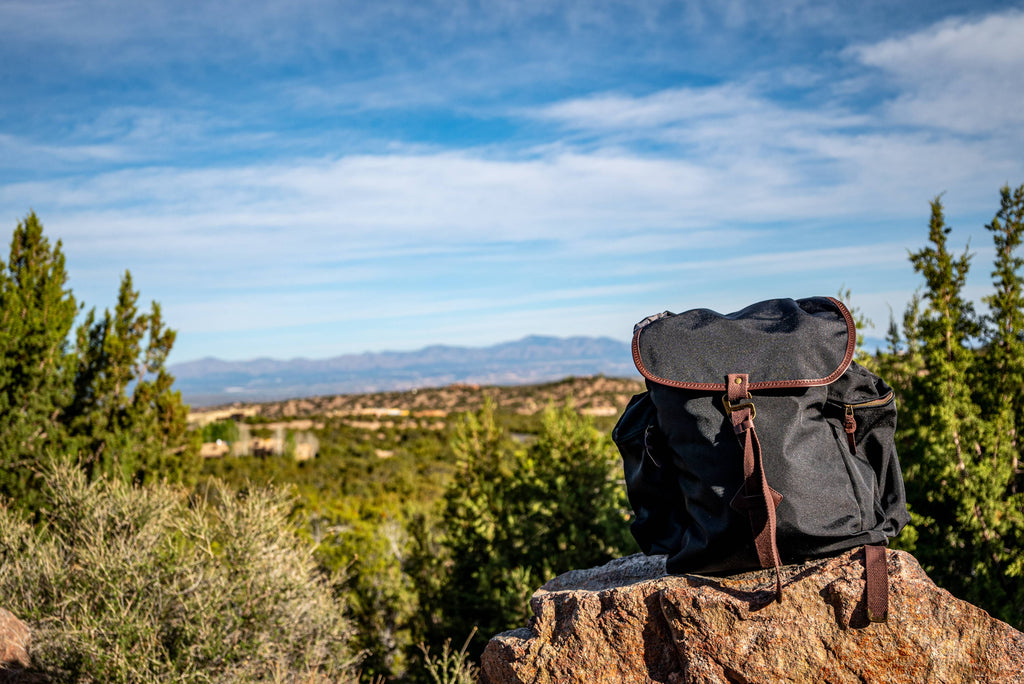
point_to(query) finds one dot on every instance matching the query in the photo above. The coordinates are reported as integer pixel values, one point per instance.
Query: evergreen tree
(901, 366)
(1004, 324)
(959, 381)
(515, 518)
(483, 586)
(126, 421)
(109, 400)
(903, 363)
(36, 315)
(993, 493)
(939, 416)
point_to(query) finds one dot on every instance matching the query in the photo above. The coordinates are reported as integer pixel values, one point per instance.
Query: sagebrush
(123, 583)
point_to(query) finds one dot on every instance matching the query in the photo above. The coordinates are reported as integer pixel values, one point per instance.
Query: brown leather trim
(851, 347)
(876, 583)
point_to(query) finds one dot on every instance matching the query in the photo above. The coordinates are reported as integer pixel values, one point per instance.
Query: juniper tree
(941, 424)
(107, 400)
(37, 311)
(483, 585)
(126, 420)
(959, 380)
(992, 491)
(516, 517)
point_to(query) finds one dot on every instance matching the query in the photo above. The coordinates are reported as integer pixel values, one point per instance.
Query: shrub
(141, 584)
(451, 666)
(516, 517)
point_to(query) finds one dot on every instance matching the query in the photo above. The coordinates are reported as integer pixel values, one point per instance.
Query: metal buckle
(729, 408)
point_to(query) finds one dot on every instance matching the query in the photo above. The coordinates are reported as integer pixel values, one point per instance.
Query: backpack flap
(780, 343)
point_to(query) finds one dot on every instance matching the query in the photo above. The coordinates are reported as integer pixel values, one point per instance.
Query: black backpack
(760, 442)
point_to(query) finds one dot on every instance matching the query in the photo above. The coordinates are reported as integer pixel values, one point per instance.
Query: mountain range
(210, 381)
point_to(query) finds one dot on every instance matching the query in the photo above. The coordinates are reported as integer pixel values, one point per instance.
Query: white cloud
(951, 48)
(603, 204)
(875, 255)
(777, 155)
(961, 74)
(392, 206)
(362, 204)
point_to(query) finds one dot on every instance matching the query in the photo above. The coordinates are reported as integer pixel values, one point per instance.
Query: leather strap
(876, 583)
(755, 496)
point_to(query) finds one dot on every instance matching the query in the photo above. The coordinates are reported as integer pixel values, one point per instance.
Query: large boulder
(628, 621)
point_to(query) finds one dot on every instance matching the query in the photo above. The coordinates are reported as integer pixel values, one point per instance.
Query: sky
(314, 178)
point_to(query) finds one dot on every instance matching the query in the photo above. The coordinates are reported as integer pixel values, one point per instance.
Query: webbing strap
(755, 496)
(876, 583)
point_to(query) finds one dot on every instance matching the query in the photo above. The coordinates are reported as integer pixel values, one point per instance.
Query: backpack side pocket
(652, 482)
(868, 413)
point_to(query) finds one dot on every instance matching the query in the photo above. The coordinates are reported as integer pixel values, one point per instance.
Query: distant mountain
(210, 381)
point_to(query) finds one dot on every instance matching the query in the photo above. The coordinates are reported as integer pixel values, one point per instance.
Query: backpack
(760, 442)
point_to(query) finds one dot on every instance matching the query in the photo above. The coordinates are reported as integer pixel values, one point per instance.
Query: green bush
(146, 584)
(224, 430)
(516, 517)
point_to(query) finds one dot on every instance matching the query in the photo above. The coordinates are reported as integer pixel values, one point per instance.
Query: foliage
(516, 517)
(382, 504)
(109, 399)
(223, 430)
(959, 378)
(126, 420)
(370, 544)
(993, 493)
(124, 579)
(450, 666)
(357, 506)
(140, 584)
(36, 316)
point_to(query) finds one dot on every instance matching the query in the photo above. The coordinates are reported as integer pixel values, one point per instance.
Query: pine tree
(36, 315)
(901, 364)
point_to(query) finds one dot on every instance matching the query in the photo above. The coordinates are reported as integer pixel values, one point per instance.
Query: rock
(628, 621)
(14, 638)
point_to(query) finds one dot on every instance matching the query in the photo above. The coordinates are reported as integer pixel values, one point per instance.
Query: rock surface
(14, 638)
(628, 621)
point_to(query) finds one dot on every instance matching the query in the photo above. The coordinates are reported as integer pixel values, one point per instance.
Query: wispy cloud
(14, 150)
(363, 202)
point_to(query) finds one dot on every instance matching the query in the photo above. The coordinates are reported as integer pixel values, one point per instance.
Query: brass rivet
(738, 381)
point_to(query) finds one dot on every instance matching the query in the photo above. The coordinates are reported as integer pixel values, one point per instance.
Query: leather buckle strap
(755, 496)
(741, 415)
(876, 583)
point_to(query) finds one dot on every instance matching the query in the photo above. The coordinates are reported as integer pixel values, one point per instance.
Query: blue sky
(313, 178)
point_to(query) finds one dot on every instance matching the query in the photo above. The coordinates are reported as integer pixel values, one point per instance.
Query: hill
(533, 359)
(595, 395)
